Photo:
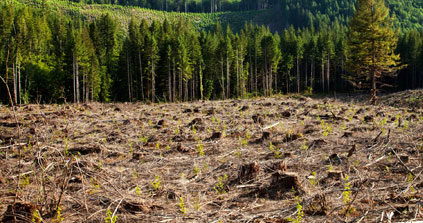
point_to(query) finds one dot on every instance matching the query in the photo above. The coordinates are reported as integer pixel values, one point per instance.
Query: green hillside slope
(302, 13)
(124, 13)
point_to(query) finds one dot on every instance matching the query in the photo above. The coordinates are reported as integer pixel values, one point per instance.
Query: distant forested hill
(300, 13)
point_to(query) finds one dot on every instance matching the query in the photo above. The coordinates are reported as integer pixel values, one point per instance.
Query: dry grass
(138, 160)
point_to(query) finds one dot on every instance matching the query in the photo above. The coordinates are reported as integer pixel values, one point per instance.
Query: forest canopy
(49, 55)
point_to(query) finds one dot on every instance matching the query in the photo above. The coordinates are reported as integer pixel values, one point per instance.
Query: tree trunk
(174, 82)
(153, 82)
(255, 70)
(83, 87)
(201, 83)
(169, 81)
(298, 74)
(223, 79)
(265, 78)
(141, 79)
(373, 75)
(312, 74)
(270, 79)
(73, 78)
(322, 76)
(328, 73)
(77, 80)
(129, 78)
(14, 84)
(19, 84)
(287, 80)
(180, 85)
(185, 90)
(306, 75)
(237, 75)
(228, 80)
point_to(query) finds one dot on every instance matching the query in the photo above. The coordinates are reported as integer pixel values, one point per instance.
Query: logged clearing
(260, 160)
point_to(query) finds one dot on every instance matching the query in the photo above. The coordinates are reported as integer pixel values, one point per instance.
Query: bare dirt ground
(261, 160)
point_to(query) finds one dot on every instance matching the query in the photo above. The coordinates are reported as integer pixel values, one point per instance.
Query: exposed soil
(229, 161)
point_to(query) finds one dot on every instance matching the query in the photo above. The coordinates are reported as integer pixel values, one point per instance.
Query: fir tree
(372, 43)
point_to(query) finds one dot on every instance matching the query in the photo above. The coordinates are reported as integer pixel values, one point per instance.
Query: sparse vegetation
(130, 173)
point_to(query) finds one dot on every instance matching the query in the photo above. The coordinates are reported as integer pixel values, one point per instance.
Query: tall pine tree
(372, 43)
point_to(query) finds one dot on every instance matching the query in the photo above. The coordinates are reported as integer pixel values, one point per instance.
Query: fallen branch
(402, 163)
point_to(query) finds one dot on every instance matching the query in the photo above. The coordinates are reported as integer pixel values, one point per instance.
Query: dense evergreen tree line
(48, 57)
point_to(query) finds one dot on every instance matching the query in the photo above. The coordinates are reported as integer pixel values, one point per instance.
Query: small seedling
(142, 139)
(196, 170)
(300, 213)
(220, 186)
(313, 179)
(24, 180)
(109, 218)
(182, 207)
(242, 141)
(59, 215)
(138, 190)
(304, 146)
(200, 149)
(347, 190)
(36, 217)
(237, 153)
(205, 166)
(196, 204)
(156, 183)
(135, 174)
